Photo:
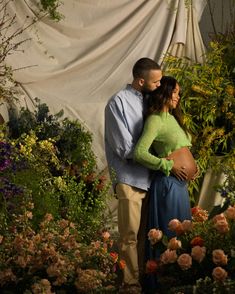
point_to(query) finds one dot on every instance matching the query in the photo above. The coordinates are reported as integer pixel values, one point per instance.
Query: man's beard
(145, 90)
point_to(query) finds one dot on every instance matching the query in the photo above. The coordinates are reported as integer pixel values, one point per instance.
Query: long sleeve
(142, 150)
(117, 133)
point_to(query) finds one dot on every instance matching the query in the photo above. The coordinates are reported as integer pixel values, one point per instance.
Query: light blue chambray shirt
(123, 127)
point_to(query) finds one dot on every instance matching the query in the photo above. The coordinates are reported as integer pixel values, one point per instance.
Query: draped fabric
(78, 63)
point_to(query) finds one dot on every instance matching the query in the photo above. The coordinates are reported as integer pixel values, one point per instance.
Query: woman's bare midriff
(184, 157)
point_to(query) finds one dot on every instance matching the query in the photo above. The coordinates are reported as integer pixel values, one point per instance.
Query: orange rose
(114, 256)
(199, 214)
(197, 241)
(122, 264)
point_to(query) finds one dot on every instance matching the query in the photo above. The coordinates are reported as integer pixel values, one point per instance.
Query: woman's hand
(179, 172)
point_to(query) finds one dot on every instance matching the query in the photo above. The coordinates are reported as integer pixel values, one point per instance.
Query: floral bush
(53, 222)
(53, 258)
(200, 256)
(52, 161)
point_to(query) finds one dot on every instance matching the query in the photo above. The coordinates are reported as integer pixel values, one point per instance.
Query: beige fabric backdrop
(78, 63)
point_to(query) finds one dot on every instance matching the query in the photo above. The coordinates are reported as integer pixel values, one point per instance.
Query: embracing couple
(147, 148)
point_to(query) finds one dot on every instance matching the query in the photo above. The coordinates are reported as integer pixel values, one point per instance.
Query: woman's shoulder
(153, 121)
(154, 117)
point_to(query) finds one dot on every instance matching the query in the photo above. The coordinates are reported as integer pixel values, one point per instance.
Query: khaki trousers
(129, 222)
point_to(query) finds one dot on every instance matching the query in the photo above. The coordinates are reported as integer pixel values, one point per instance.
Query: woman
(165, 135)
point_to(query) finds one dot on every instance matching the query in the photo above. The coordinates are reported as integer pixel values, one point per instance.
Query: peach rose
(151, 266)
(198, 253)
(219, 217)
(174, 224)
(219, 274)
(222, 226)
(154, 236)
(174, 244)
(219, 257)
(184, 261)
(105, 235)
(168, 256)
(230, 212)
(187, 225)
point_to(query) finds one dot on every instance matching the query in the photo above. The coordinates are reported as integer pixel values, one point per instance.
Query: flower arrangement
(200, 256)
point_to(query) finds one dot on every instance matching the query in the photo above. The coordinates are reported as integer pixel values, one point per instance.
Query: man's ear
(141, 82)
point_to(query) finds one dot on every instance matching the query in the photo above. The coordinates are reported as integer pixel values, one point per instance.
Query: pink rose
(187, 225)
(230, 212)
(219, 257)
(219, 274)
(198, 253)
(176, 226)
(219, 217)
(174, 244)
(154, 236)
(168, 256)
(222, 226)
(184, 261)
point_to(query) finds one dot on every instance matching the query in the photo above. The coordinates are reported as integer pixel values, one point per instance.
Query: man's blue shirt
(123, 127)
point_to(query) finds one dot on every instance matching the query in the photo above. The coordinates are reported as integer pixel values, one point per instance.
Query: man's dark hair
(143, 66)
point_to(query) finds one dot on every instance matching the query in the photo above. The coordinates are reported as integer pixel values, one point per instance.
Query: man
(123, 126)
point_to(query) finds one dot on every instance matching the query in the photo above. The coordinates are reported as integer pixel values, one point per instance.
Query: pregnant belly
(184, 157)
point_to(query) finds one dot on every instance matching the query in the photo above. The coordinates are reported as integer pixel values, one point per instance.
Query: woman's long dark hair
(162, 96)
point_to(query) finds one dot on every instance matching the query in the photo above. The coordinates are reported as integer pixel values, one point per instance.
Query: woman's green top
(162, 134)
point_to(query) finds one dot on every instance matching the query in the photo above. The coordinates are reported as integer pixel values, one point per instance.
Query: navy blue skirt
(169, 199)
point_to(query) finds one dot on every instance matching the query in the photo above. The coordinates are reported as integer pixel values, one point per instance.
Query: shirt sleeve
(142, 150)
(116, 132)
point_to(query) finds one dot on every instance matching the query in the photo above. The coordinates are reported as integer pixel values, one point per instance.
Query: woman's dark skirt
(169, 200)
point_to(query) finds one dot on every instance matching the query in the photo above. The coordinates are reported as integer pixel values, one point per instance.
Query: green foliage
(51, 6)
(73, 142)
(58, 169)
(208, 104)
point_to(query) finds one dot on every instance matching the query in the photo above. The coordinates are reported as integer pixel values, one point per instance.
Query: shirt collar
(134, 91)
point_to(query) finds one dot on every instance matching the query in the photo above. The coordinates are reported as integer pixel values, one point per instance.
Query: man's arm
(116, 130)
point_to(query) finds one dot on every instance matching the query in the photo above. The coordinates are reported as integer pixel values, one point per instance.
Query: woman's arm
(142, 150)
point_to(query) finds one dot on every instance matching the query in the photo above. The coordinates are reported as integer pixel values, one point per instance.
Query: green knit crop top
(164, 135)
